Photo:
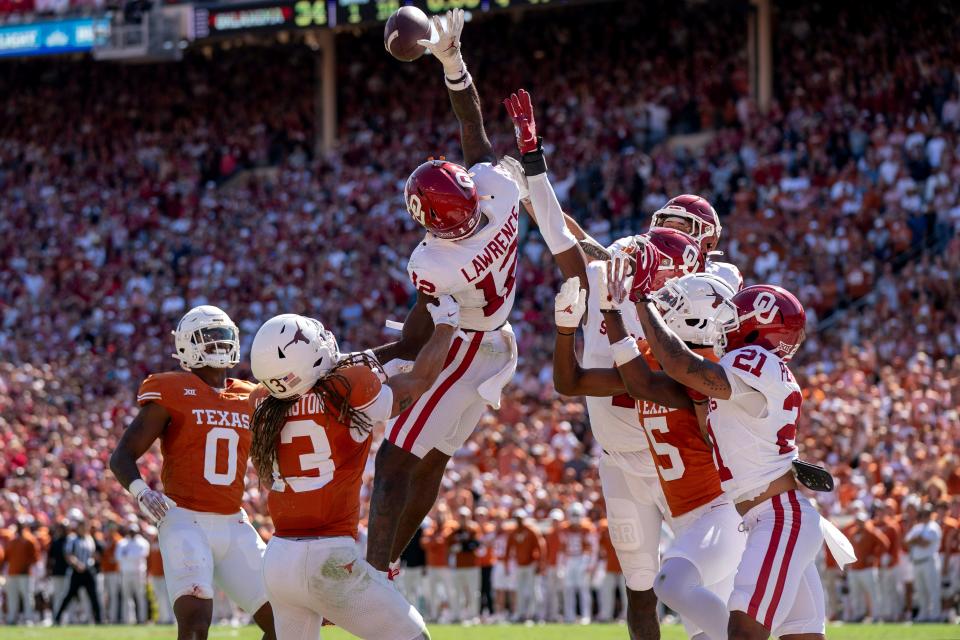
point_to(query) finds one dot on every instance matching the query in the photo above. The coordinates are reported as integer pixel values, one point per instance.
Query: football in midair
(403, 29)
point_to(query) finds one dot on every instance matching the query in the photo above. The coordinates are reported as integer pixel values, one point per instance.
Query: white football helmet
(290, 353)
(697, 307)
(206, 337)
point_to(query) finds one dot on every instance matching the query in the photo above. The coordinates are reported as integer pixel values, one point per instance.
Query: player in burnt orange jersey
(202, 419)
(315, 410)
(697, 572)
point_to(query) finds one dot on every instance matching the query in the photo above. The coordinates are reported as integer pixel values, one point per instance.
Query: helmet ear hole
(752, 336)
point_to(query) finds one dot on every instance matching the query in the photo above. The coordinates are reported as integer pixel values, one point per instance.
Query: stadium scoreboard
(225, 18)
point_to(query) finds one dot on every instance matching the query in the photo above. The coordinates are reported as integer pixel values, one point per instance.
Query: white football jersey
(613, 420)
(727, 272)
(754, 431)
(480, 271)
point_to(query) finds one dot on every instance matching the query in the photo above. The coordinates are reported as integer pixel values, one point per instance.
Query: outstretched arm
(408, 387)
(463, 93)
(678, 361)
(569, 378)
(641, 381)
(417, 329)
(473, 138)
(548, 214)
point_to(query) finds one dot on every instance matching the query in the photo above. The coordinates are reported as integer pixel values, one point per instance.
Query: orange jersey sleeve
(206, 444)
(155, 561)
(108, 559)
(321, 463)
(684, 460)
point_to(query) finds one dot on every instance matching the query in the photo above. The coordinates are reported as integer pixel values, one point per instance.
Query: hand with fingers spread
(520, 109)
(570, 305)
(445, 310)
(154, 504)
(647, 262)
(616, 279)
(446, 48)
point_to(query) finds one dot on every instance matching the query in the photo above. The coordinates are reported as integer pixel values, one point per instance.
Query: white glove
(616, 279)
(445, 311)
(570, 304)
(446, 47)
(515, 170)
(154, 504)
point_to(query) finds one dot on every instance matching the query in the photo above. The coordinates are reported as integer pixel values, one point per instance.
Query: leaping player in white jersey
(469, 252)
(754, 404)
(685, 230)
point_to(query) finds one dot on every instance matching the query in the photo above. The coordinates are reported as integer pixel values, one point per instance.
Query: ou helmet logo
(765, 307)
(691, 255)
(463, 179)
(415, 207)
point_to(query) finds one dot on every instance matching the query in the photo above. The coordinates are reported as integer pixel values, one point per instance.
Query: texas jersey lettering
(321, 461)
(683, 458)
(480, 271)
(206, 443)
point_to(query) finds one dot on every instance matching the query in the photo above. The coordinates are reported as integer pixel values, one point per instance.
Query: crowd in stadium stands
(130, 194)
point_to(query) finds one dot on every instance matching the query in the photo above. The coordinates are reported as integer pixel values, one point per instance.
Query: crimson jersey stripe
(767, 566)
(442, 389)
(402, 418)
(787, 555)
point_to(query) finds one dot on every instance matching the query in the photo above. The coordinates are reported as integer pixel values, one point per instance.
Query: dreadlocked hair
(334, 390)
(268, 420)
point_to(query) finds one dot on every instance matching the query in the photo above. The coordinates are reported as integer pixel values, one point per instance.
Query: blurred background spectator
(131, 193)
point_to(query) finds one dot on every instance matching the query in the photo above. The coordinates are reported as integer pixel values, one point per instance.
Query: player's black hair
(271, 414)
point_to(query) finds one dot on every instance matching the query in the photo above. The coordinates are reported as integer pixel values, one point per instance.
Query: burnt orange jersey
(108, 559)
(436, 546)
(206, 443)
(154, 561)
(525, 545)
(577, 539)
(321, 461)
(684, 460)
(552, 539)
(606, 548)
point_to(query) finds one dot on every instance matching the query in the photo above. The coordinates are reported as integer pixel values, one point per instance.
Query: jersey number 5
(674, 469)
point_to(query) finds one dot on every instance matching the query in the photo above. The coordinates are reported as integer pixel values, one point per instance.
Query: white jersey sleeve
(499, 194)
(755, 430)
(381, 407)
(479, 271)
(727, 272)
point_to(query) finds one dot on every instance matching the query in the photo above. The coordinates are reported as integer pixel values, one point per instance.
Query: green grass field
(492, 632)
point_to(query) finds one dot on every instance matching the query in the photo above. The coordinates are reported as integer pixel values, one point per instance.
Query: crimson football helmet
(679, 255)
(441, 196)
(767, 316)
(704, 222)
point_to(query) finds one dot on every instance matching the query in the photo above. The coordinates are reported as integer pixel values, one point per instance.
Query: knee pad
(675, 579)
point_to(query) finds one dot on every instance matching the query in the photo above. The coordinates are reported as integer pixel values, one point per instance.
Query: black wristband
(534, 163)
(572, 333)
(613, 311)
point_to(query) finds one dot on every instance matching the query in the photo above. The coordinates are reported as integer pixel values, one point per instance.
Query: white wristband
(459, 80)
(137, 487)
(624, 350)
